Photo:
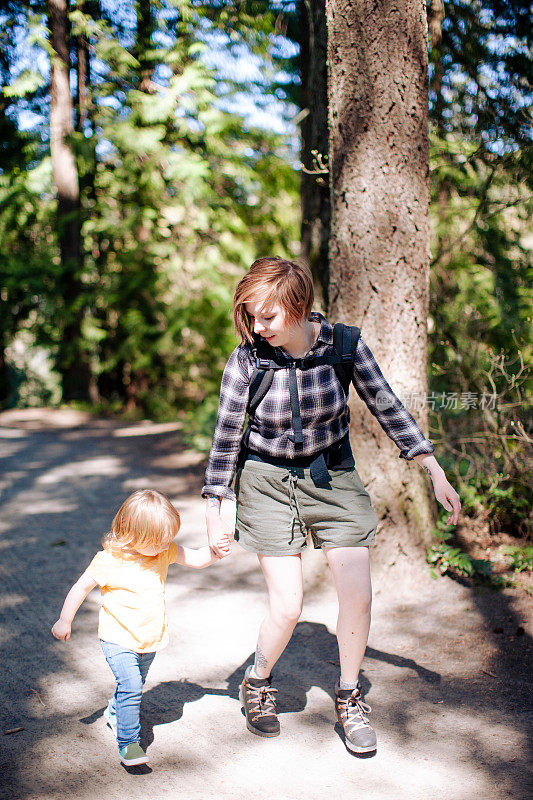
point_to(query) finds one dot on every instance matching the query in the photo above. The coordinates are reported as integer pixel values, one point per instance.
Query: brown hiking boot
(259, 705)
(359, 737)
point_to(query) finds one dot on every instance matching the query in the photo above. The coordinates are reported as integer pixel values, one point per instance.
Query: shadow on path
(60, 489)
(311, 659)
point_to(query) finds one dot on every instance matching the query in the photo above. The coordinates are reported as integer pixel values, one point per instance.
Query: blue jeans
(130, 670)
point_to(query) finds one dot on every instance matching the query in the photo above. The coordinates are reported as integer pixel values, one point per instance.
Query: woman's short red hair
(273, 280)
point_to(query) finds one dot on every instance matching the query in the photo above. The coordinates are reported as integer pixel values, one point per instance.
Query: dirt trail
(447, 672)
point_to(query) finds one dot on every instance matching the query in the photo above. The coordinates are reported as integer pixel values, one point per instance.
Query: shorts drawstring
(293, 503)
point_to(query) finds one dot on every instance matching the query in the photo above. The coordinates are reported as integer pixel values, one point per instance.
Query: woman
(296, 476)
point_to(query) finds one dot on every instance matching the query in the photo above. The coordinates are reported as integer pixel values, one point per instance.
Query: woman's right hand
(219, 533)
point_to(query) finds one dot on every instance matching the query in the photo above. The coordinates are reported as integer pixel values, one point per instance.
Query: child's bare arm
(198, 558)
(61, 629)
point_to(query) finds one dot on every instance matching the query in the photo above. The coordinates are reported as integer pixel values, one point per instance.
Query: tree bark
(72, 362)
(315, 200)
(379, 245)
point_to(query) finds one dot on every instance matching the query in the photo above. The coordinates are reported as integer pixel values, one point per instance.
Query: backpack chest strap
(297, 435)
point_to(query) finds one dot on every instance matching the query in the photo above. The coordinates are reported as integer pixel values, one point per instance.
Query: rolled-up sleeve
(231, 415)
(381, 401)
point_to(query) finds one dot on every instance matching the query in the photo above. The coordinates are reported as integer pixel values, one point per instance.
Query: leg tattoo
(261, 660)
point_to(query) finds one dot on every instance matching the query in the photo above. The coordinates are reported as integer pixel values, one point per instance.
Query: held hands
(219, 536)
(220, 541)
(219, 533)
(222, 548)
(61, 630)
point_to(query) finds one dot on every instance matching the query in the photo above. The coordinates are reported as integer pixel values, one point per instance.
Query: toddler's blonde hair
(146, 518)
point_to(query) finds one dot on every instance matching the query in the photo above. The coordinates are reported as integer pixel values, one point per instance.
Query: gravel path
(447, 672)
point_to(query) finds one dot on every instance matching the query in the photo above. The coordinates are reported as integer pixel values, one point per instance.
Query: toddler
(131, 571)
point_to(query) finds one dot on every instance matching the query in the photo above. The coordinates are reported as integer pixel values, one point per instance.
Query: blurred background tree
(178, 191)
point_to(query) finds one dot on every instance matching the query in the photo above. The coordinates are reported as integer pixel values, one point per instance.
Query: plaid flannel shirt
(325, 414)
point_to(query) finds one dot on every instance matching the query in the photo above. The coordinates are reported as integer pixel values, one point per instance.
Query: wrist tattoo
(261, 660)
(213, 502)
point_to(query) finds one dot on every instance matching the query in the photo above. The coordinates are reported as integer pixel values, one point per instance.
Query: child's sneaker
(359, 737)
(133, 754)
(111, 719)
(257, 699)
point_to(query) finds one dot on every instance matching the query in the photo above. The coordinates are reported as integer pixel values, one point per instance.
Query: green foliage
(520, 558)
(481, 277)
(178, 197)
(445, 558)
(479, 71)
(199, 425)
(26, 83)
(480, 327)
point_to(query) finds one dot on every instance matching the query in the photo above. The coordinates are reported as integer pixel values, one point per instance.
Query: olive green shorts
(278, 507)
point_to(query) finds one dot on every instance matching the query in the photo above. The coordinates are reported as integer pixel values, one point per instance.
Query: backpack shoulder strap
(260, 383)
(262, 375)
(345, 339)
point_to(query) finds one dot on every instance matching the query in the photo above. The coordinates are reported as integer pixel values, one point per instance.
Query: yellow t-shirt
(133, 598)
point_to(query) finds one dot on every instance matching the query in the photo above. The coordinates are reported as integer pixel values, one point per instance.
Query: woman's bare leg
(351, 572)
(283, 577)
(350, 567)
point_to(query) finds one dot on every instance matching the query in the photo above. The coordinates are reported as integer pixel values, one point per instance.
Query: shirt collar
(326, 330)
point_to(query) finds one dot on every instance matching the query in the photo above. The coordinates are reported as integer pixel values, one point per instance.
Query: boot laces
(262, 700)
(354, 710)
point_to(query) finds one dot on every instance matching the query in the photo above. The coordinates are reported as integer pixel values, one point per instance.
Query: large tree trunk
(315, 198)
(72, 362)
(379, 246)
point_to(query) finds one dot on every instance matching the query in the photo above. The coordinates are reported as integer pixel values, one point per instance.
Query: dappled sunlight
(187, 459)
(9, 478)
(146, 428)
(102, 465)
(35, 419)
(48, 507)
(12, 433)
(10, 449)
(11, 600)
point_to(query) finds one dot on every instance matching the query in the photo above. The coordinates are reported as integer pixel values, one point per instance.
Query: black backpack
(340, 356)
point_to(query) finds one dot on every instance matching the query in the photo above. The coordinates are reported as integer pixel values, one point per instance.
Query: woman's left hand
(447, 497)
(444, 491)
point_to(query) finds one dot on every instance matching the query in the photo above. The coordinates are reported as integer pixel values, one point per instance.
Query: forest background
(184, 149)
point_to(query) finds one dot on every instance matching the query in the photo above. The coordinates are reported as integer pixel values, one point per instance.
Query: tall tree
(315, 199)
(72, 362)
(379, 271)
